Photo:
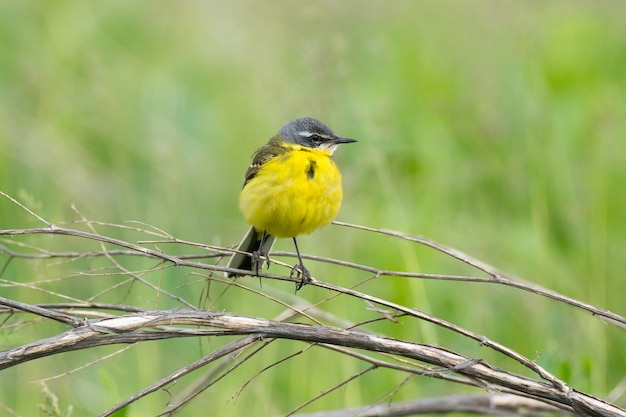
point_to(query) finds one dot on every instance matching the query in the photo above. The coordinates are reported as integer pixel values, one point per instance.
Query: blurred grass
(497, 128)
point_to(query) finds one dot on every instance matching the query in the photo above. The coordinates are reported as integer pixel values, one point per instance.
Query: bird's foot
(258, 257)
(302, 274)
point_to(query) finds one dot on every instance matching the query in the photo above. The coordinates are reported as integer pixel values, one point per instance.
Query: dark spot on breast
(310, 170)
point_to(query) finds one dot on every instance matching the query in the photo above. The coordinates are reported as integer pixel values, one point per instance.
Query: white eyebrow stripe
(307, 134)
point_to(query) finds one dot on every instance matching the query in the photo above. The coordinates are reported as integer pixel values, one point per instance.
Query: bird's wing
(266, 152)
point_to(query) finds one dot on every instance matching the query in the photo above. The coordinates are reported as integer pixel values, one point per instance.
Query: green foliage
(496, 127)
(50, 406)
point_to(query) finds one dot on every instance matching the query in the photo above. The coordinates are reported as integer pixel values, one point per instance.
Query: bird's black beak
(339, 140)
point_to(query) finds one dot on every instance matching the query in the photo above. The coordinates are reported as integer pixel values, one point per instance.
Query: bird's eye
(314, 137)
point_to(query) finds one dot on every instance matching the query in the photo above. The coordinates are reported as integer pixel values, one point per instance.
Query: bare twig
(43, 312)
(487, 404)
(496, 276)
(213, 356)
(128, 329)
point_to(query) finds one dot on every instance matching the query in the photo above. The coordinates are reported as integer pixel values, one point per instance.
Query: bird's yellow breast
(293, 193)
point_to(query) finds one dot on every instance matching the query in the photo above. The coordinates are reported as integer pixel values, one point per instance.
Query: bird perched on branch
(291, 188)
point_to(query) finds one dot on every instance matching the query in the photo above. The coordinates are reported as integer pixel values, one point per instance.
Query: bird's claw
(302, 273)
(257, 261)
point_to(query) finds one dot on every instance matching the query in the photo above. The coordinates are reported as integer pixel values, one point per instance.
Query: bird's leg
(300, 269)
(258, 255)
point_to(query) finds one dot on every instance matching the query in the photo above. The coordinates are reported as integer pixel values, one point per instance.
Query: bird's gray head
(311, 133)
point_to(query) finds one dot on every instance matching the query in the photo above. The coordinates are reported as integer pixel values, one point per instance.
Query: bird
(292, 187)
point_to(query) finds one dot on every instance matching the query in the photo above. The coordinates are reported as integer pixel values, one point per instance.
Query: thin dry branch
(145, 326)
(486, 404)
(213, 356)
(180, 261)
(497, 276)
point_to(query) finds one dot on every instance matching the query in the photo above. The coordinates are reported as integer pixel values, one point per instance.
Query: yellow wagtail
(291, 188)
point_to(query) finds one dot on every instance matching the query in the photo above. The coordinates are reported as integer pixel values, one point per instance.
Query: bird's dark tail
(250, 243)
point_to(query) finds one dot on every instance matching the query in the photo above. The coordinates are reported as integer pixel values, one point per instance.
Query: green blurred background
(495, 127)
